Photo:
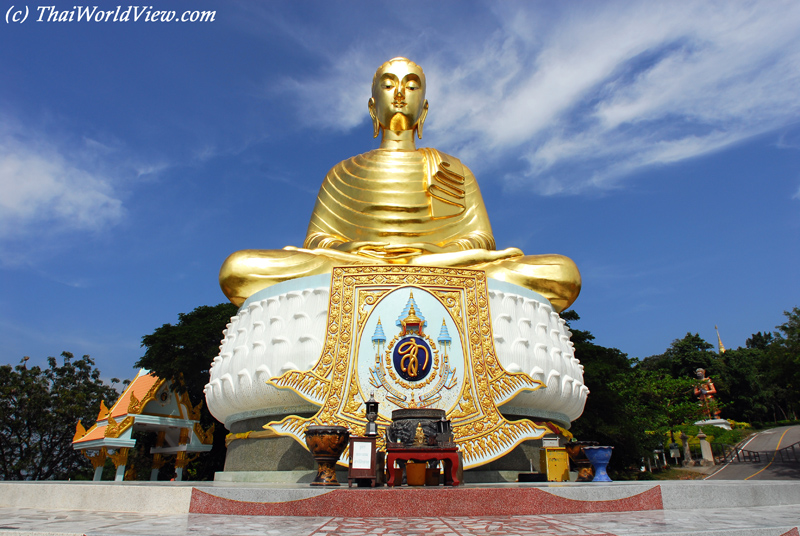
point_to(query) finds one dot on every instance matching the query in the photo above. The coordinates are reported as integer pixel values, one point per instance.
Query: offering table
(448, 455)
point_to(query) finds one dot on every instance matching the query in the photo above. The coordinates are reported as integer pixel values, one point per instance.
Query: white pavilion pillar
(120, 459)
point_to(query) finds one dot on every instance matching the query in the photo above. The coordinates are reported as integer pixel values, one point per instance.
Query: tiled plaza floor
(767, 521)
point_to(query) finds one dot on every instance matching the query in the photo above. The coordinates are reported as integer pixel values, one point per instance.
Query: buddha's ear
(422, 117)
(376, 126)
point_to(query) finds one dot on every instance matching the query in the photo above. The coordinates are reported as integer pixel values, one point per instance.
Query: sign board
(362, 455)
(550, 441)
(363, 458)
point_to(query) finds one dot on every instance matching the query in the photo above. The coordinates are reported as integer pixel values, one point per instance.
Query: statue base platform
(468, 500)
(287, 352)
(473, 476)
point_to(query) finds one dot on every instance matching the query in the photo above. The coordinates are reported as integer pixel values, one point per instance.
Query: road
(766, 442)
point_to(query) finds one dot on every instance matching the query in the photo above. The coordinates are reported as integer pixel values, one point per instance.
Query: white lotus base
(283, 328)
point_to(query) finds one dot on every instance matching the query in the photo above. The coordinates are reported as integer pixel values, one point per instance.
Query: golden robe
(415, 198)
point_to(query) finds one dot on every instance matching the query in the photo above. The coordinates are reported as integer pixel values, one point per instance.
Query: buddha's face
(398, 92)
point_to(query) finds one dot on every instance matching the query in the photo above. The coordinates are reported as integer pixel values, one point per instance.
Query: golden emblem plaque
(416, 336)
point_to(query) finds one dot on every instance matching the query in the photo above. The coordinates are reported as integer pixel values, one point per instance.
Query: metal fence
(729, 453)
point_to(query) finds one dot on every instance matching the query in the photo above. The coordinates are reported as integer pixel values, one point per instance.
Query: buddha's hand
(465, 258)
(416, 249)
(367, 249)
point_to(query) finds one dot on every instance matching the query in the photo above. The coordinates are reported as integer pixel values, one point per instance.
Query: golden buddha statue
(400, 205)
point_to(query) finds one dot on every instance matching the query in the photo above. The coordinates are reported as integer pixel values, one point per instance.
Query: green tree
(39, 409)
(632, 404)
(783, 366)
(610, 416)
(683, 357)
(761, 382)
(740, 379)
(665, 402)
(760, 341)
(183, 354)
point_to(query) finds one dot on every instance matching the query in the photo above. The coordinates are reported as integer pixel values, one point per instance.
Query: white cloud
(323, 103)
(628, 88)
(49, 190)
(585, 93)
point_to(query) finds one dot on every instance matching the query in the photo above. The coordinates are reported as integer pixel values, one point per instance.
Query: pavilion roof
(132, 401)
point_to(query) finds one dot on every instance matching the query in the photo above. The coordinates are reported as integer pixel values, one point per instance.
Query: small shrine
(146, 405)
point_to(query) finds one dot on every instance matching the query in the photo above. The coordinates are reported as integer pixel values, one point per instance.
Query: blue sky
(656, 144)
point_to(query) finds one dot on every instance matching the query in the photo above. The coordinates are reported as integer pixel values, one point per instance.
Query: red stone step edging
(368, 502)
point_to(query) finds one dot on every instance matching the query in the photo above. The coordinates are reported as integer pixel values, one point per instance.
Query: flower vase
(599, 456)
(326, 444)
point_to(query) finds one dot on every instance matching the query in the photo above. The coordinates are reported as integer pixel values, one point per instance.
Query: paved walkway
(760, 521)
(770, 467)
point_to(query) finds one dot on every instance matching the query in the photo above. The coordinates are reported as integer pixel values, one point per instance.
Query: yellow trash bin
(554, 462)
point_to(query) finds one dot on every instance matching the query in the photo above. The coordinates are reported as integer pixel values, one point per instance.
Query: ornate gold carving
(120, 457)
(193, 412)
(115, 429)
(353, 404)
(466, 406)
(367, 299)
(184, 437)
(265, 434)
(183, 458)
(136, 406)
(206, 437)
(507, 385)
(479, 428)
(451, 299)
(99, 459)
(158, 461)
(103, 411)
(80, 431)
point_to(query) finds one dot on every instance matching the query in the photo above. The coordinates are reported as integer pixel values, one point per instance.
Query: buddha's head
(398, 97)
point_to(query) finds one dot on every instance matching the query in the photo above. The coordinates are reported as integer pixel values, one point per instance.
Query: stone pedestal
(705, 450)
(687, 453)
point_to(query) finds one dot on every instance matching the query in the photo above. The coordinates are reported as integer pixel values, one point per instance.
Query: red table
(448, 455)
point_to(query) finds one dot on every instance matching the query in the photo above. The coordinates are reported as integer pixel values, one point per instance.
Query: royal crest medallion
(411, 368)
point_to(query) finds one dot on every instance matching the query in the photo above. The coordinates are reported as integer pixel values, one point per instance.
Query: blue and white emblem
(412, 368)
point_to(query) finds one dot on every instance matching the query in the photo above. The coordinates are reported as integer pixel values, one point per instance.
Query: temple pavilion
(147, 405)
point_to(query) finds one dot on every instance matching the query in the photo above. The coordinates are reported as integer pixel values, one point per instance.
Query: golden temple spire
(719, 340)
